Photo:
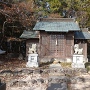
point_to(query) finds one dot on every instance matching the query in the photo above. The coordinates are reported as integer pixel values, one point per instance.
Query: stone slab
(55, 66)
(57, 86)
(32, 64)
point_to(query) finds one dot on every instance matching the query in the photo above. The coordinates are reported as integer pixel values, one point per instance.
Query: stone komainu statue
(77, 50)
(32, 49)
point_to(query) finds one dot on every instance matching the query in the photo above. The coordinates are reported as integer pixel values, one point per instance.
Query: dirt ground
(9, 67)
(11, 63)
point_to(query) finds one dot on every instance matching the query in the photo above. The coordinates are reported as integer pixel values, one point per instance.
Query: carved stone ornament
(77, 50)
(32, 49)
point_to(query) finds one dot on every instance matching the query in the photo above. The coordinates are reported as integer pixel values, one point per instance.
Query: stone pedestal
(78, 61)
(78, 65)
(32, 60)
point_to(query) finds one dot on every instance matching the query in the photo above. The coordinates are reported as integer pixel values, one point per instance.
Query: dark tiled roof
(30, 34)
(82, 35)
(57, 25)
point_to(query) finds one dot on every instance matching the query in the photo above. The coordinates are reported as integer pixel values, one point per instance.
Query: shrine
(59, 38)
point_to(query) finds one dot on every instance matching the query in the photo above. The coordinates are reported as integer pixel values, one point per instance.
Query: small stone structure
(32, 57)
(78, 57)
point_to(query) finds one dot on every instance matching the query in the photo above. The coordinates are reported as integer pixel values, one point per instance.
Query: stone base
(77, 58)
(78, 65)
(32, 64)
(32, 60)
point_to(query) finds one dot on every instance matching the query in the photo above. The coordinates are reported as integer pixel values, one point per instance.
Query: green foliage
(87, 66)
(55, 6)
(81, 8)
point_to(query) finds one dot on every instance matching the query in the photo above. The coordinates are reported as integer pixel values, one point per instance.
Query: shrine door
(57, 45)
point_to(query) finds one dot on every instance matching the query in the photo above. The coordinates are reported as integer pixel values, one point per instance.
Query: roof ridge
(58, 19)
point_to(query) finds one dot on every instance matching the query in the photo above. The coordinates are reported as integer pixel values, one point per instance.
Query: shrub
(87, 66)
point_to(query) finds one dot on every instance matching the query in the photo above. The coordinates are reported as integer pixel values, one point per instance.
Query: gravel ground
(17, 77)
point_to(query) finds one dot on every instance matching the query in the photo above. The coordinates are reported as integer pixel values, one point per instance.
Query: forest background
(19, 15)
